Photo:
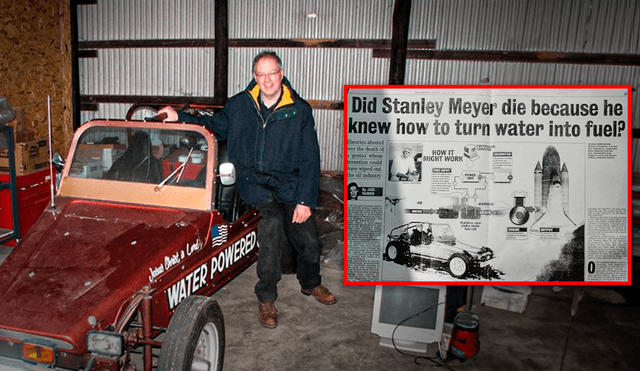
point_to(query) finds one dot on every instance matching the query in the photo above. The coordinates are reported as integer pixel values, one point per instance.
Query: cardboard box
(20, 131)
(30, 157)
(92, 170)
(512, 298)
(24, 136)
(104, 154)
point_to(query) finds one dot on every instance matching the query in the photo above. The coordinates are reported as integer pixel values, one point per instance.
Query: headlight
(105, 342)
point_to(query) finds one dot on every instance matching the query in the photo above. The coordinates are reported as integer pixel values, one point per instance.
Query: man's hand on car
(172, 115)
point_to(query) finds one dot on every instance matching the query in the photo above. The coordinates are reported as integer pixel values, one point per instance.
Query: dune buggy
(435, 242)
(117, 273)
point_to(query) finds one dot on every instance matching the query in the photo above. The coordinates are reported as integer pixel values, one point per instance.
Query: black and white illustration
(477, 190)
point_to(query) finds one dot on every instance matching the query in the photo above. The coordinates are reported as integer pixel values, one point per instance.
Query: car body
(436, 242)
(145, 226)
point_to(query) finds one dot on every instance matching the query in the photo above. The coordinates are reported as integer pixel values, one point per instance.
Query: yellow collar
(287, 98)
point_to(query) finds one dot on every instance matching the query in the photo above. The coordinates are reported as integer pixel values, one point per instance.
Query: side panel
(202, 269)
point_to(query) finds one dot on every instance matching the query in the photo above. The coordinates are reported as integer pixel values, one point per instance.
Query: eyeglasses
(271, 74)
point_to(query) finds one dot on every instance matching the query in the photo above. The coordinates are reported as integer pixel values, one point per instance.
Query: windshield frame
(136, 192)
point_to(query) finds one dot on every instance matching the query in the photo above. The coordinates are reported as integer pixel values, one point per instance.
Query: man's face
(406, 153)
(269, 77)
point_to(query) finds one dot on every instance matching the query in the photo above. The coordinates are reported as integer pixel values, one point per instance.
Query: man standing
(273, 144)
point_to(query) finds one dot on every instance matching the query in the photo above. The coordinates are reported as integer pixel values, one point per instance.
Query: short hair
(352, 184)
(266, 54)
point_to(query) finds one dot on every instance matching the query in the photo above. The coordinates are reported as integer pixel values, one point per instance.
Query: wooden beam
(89, 100)
(255, 43)
(333, 105)
(399, 41)
(151, 99)
(520, 56)
(87, 53)
(76, 105)
(89, 107)
(327, 43)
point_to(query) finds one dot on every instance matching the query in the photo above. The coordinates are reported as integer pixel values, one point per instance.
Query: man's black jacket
(277, 157)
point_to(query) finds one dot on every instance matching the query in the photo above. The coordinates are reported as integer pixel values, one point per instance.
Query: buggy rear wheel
(396, 252)
(195, 338)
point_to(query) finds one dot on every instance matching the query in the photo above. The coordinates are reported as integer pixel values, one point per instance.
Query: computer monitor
(408, 317)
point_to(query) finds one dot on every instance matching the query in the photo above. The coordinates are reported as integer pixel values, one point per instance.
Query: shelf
(10, 234)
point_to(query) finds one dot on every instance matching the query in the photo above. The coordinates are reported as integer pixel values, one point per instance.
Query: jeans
(273, 230)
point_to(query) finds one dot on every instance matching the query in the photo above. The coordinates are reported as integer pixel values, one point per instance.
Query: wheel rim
(392, 252)
(205, 356)
(457, 266)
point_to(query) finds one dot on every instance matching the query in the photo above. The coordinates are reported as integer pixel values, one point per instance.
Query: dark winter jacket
(277, 157)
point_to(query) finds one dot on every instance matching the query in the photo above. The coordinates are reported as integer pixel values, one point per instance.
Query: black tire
(396, 252)
(458, 265)
(196, 327)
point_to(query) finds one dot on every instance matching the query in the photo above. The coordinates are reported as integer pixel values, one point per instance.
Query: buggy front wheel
(195, 338)
(458, 265)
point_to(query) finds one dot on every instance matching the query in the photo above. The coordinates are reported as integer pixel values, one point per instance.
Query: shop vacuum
(464, 341)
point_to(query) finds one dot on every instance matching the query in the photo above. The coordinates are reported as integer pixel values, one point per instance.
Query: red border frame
(481, 283)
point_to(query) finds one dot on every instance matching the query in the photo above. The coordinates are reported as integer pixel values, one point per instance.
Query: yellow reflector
(38, 353)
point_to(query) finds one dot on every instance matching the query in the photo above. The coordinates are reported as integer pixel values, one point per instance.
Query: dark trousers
(274, 229)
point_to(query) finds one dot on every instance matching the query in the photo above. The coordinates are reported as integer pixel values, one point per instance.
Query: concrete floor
(603, 335)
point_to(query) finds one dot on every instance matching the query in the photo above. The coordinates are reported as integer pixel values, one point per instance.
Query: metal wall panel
(315, 73)
(477, 73)
(146, 20)
(590, 26)
(310, 19)
(171, 71)
(330, 129)
(318, 74)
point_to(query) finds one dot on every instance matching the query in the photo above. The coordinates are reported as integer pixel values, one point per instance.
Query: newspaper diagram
(500, 184)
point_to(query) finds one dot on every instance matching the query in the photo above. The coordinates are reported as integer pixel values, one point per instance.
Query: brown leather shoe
(321, 294)
(268, 315)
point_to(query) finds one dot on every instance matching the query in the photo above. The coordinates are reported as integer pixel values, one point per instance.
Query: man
(403, 166)
(273, 144)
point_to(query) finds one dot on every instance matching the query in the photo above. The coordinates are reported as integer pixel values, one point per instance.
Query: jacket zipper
(264, 127)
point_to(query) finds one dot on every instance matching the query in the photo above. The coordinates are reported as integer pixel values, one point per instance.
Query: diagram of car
(436, 242)
(117, 273)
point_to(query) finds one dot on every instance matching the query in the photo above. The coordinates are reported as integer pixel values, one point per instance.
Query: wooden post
(399, 40)
(221, 80)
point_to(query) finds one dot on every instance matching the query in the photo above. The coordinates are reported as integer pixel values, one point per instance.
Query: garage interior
(117, 59)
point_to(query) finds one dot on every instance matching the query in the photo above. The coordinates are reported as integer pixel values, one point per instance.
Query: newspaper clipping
(509, 184)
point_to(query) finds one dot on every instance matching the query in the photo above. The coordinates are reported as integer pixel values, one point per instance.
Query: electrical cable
(566, 342)
(416, 358)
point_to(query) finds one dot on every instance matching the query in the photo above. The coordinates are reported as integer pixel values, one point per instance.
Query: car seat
(137, 164)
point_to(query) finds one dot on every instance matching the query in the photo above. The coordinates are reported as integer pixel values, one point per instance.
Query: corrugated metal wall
(592, 26)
